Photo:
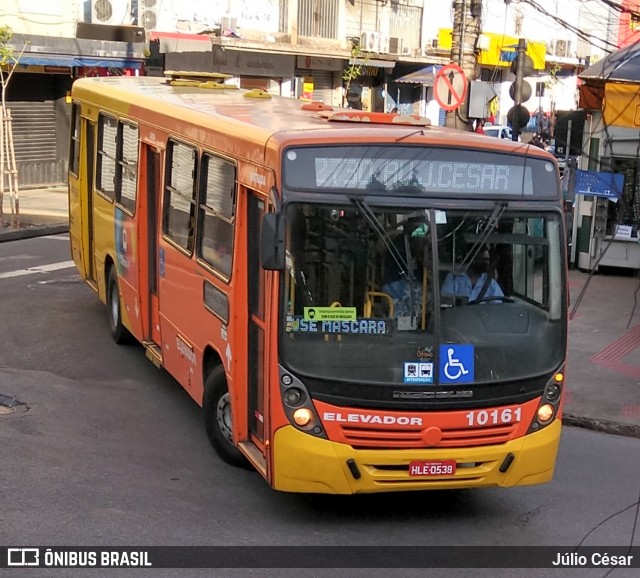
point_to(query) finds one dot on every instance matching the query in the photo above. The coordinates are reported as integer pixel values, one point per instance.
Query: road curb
(29, 232)
(602, 425)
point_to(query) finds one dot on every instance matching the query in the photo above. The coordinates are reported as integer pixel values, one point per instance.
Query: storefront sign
(319, 63)
(307, 89)
(241, 63)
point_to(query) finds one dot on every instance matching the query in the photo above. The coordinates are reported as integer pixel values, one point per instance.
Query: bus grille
(361, 438)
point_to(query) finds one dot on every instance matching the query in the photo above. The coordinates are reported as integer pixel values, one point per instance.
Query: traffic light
(518, 117)
(520, 90)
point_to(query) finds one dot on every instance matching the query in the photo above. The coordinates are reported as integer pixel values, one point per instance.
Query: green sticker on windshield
(330, 313)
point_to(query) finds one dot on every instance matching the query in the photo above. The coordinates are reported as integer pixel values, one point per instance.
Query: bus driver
(476, 283)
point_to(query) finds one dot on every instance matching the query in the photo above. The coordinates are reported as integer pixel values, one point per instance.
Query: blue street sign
(599, 184)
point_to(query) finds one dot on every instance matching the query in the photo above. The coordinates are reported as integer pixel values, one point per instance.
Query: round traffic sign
(450, 87)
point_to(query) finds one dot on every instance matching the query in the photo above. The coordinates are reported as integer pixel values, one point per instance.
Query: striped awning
(424, 76)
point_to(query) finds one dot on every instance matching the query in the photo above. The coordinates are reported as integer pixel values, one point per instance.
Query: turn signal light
(302, 416)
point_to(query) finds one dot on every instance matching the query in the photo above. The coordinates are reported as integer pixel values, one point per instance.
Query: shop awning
(623, 65)
(424, 76)
(37, 59)
(374, 62)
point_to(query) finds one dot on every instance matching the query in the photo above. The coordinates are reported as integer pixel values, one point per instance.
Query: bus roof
(262, 118)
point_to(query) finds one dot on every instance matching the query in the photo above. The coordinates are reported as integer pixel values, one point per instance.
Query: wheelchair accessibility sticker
(456, 364)
(418, 372)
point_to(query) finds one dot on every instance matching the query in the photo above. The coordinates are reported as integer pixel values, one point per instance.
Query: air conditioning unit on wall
(113, 12)
(560, 47)
(369, 41)
(383, 44)
(396, 45)
(148, 13)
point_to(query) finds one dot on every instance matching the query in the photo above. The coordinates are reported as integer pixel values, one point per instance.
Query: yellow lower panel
(303, 463)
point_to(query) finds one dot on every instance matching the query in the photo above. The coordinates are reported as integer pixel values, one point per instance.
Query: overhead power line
(606, 45)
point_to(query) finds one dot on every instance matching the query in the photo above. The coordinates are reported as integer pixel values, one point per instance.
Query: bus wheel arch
(216, 411)
(119, 332)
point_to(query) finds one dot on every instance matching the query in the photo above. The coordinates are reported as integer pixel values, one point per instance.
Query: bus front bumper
(307, 464)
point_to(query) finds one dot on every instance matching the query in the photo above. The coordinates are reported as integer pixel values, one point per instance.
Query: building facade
(369, 54)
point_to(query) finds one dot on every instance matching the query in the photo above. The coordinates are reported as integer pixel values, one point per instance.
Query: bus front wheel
(119, 332)
(216, 409)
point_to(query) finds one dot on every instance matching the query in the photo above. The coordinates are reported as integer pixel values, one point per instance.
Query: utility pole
(467, 22)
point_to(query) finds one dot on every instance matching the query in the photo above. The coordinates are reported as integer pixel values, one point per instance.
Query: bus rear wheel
(119, 332)
(216, 409)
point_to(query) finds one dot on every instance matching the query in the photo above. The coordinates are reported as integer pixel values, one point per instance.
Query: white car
(498, 130)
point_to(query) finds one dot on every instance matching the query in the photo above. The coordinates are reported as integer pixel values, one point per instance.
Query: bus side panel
(105, 243)
(180, 296)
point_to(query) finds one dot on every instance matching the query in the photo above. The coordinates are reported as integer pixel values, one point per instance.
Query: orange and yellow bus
(360, 302)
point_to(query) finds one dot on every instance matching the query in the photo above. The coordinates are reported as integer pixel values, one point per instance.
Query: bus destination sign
(417, 170)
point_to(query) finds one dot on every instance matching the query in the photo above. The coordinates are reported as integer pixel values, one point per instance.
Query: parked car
(498, 130)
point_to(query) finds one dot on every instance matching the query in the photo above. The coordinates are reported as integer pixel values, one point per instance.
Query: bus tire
(119, 332)
(216, 410)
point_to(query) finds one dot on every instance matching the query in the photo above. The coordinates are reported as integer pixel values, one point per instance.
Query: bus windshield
(373, 295)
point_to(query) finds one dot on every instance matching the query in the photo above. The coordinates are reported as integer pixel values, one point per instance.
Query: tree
(353, 71)
(8, 171)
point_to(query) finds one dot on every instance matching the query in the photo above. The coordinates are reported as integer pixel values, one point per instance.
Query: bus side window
(217, 211)
(179, 200)
(127, 167)
(107, 153)
(74, 153)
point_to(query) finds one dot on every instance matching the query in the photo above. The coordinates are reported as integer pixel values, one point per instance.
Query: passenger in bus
(476, 283)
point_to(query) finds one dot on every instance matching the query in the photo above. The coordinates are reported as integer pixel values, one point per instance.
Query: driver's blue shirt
(461, 286)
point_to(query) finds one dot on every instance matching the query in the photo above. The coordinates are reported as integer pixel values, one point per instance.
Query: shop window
(627, 210)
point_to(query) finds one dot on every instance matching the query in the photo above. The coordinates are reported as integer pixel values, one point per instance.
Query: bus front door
(257, 346)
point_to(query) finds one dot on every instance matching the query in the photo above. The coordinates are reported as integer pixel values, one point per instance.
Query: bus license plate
(432, 469)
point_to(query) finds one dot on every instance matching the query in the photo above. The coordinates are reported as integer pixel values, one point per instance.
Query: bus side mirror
(272, 242)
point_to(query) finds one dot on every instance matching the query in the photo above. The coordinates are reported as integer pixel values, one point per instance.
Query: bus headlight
(553, 392)
(293, 396)
(302, 416)
(298, 405)
(545, 413)
(550, 402)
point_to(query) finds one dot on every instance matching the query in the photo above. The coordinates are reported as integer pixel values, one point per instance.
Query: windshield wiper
(378, 227)
(490, 226)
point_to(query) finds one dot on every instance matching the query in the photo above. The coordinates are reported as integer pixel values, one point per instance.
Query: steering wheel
(500, 298)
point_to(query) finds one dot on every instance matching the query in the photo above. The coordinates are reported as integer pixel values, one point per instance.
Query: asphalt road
(106, 450)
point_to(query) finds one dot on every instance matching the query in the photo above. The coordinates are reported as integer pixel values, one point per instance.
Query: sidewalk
(603, 369)
(42, 212)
